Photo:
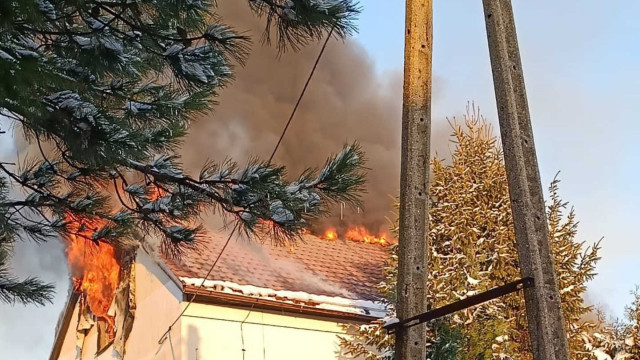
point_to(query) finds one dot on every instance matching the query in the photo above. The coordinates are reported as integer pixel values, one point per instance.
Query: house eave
(205, 296)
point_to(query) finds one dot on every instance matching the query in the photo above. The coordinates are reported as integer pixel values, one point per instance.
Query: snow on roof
(331, 273)
(361, 307)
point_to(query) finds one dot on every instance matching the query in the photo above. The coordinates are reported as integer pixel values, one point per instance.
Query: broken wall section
(154, 299)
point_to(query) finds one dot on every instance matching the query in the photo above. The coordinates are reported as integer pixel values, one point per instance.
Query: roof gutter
(204, 296)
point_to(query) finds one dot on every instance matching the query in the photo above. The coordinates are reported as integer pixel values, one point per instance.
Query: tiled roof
(334, 268)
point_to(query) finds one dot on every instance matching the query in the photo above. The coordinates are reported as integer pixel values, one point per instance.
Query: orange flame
(156, 193)
(94, 268)
(358, 234)
(331, 235)
(361, 234)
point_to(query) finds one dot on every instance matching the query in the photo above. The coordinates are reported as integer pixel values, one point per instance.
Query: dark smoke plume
(345, 101)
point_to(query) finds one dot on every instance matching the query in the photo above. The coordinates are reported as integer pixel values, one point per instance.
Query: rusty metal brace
(460, 305)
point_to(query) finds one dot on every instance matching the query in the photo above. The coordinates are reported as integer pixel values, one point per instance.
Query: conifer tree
(105, 91)
(632, 340)
(619, 340)
(472, 249)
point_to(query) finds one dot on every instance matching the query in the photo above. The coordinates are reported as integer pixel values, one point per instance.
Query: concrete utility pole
(546, 325)
(414, 177)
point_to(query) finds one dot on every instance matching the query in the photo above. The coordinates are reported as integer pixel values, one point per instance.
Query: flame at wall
(94, 268)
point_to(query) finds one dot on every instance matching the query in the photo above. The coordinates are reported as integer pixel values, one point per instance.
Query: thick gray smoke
(345, 101)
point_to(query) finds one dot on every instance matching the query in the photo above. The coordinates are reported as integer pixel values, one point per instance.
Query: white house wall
(68, 350)
(221, 333)
(159, 301)
(214, 331)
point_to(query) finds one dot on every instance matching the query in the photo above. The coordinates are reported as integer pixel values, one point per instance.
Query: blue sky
(582, 65)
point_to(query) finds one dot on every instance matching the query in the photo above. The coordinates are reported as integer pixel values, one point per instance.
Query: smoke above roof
(346, 101)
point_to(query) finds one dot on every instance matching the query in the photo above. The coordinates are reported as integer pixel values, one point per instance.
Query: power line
(244, 350)
(304, 89)
(235, 227)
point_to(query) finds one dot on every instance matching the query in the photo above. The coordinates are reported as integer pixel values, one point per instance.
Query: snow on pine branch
(297, 22)
(256, 192)
(108, 90)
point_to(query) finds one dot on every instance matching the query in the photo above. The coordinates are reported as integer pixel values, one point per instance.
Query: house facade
(260, 302)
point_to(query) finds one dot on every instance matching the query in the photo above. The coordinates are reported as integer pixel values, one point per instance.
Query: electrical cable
(304, 90)
(244, 350)
(193, 296)
(284, 131)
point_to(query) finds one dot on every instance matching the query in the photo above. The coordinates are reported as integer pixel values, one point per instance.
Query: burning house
(259, 302)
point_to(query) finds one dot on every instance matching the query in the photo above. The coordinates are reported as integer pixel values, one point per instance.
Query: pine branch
(107, 89)
(298, 22)
(27, 291)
